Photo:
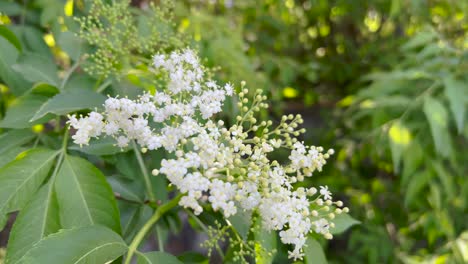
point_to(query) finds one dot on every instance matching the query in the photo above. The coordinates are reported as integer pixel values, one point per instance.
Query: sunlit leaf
(400, 138)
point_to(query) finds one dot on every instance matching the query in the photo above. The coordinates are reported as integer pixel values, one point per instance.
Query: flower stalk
(148, 225)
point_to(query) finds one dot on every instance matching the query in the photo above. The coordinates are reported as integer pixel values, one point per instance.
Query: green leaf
(437, 116)
(413, 157)
(44, 89)
(8, 56)
(420, 39)
(124, 189)
(71, 44)
(22, 110)
(10, 36)
(157, 257)
(71, 101)
(313, 252)
(265, 243)
(32, 40)
(37, 68)
(100, 146)
(85, 198)
(400, 138)
(456, 92)
(342, 223)
(92, 244)
(191, 257)
(37, 220)
(445, 178)
(416, 183)
(10, 8)
(241, 222)
(10, 154)
(14, 138)
(20, 179)
(3, 221)
(134, 220)
(51, 9)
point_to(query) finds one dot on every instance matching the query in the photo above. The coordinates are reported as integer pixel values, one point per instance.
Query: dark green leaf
(85, 198)
(157, 257)
(193, 258)
(20, 179)
(417, 182)
(445, 178)
(135, 220)
(36, 221)
(44, 89)
(92, 244)
(71, 101)
(100, 146)
(10, 36)
(314, 252)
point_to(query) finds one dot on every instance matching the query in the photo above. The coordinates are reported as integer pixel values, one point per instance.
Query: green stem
(148, 225)
(144, 171)
(63, 151)
(103, 86)
(160, 240)
(69, 73)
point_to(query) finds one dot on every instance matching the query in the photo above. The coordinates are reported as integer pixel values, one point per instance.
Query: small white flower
(325, 192)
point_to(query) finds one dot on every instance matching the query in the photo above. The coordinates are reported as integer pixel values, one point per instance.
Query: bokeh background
(383, 82)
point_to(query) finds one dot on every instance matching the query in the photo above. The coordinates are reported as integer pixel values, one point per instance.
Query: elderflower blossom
(228, 167)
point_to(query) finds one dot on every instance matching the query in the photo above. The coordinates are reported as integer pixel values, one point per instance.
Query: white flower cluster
(189, 93)
(228, 168)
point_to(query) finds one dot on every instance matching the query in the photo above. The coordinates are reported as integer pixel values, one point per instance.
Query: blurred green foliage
(384, 82)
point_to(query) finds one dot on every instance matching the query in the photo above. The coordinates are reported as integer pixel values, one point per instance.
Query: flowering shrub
(219, 165)
(227, 167)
